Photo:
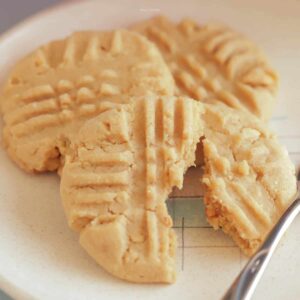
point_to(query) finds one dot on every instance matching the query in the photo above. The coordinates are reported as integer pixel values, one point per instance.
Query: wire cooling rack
(187, 209)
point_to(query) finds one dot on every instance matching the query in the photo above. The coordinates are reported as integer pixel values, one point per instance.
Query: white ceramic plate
(40, 257)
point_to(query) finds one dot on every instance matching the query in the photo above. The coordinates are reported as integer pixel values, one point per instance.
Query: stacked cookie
(119, 115)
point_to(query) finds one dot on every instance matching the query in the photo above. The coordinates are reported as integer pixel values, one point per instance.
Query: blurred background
(14, 11)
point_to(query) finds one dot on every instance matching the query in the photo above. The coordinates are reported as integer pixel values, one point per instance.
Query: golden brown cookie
(120, 170)
(52, 91)
(249, 178)
(214, 62)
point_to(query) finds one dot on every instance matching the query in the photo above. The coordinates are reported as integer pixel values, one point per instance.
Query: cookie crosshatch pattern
(121, 168)
(51, 92)
(211, 61)
(204, 255)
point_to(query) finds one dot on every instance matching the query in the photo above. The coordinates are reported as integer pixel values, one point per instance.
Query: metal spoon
(246, 282)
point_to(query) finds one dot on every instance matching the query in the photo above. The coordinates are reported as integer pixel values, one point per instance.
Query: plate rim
(52, 8)
(8, 286)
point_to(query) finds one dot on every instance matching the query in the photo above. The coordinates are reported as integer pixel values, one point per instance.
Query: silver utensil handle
(244, 285)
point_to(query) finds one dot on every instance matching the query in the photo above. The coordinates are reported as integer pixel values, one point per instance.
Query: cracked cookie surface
(121, 168)
(51, 92)
(214, 62)
(249, 178)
